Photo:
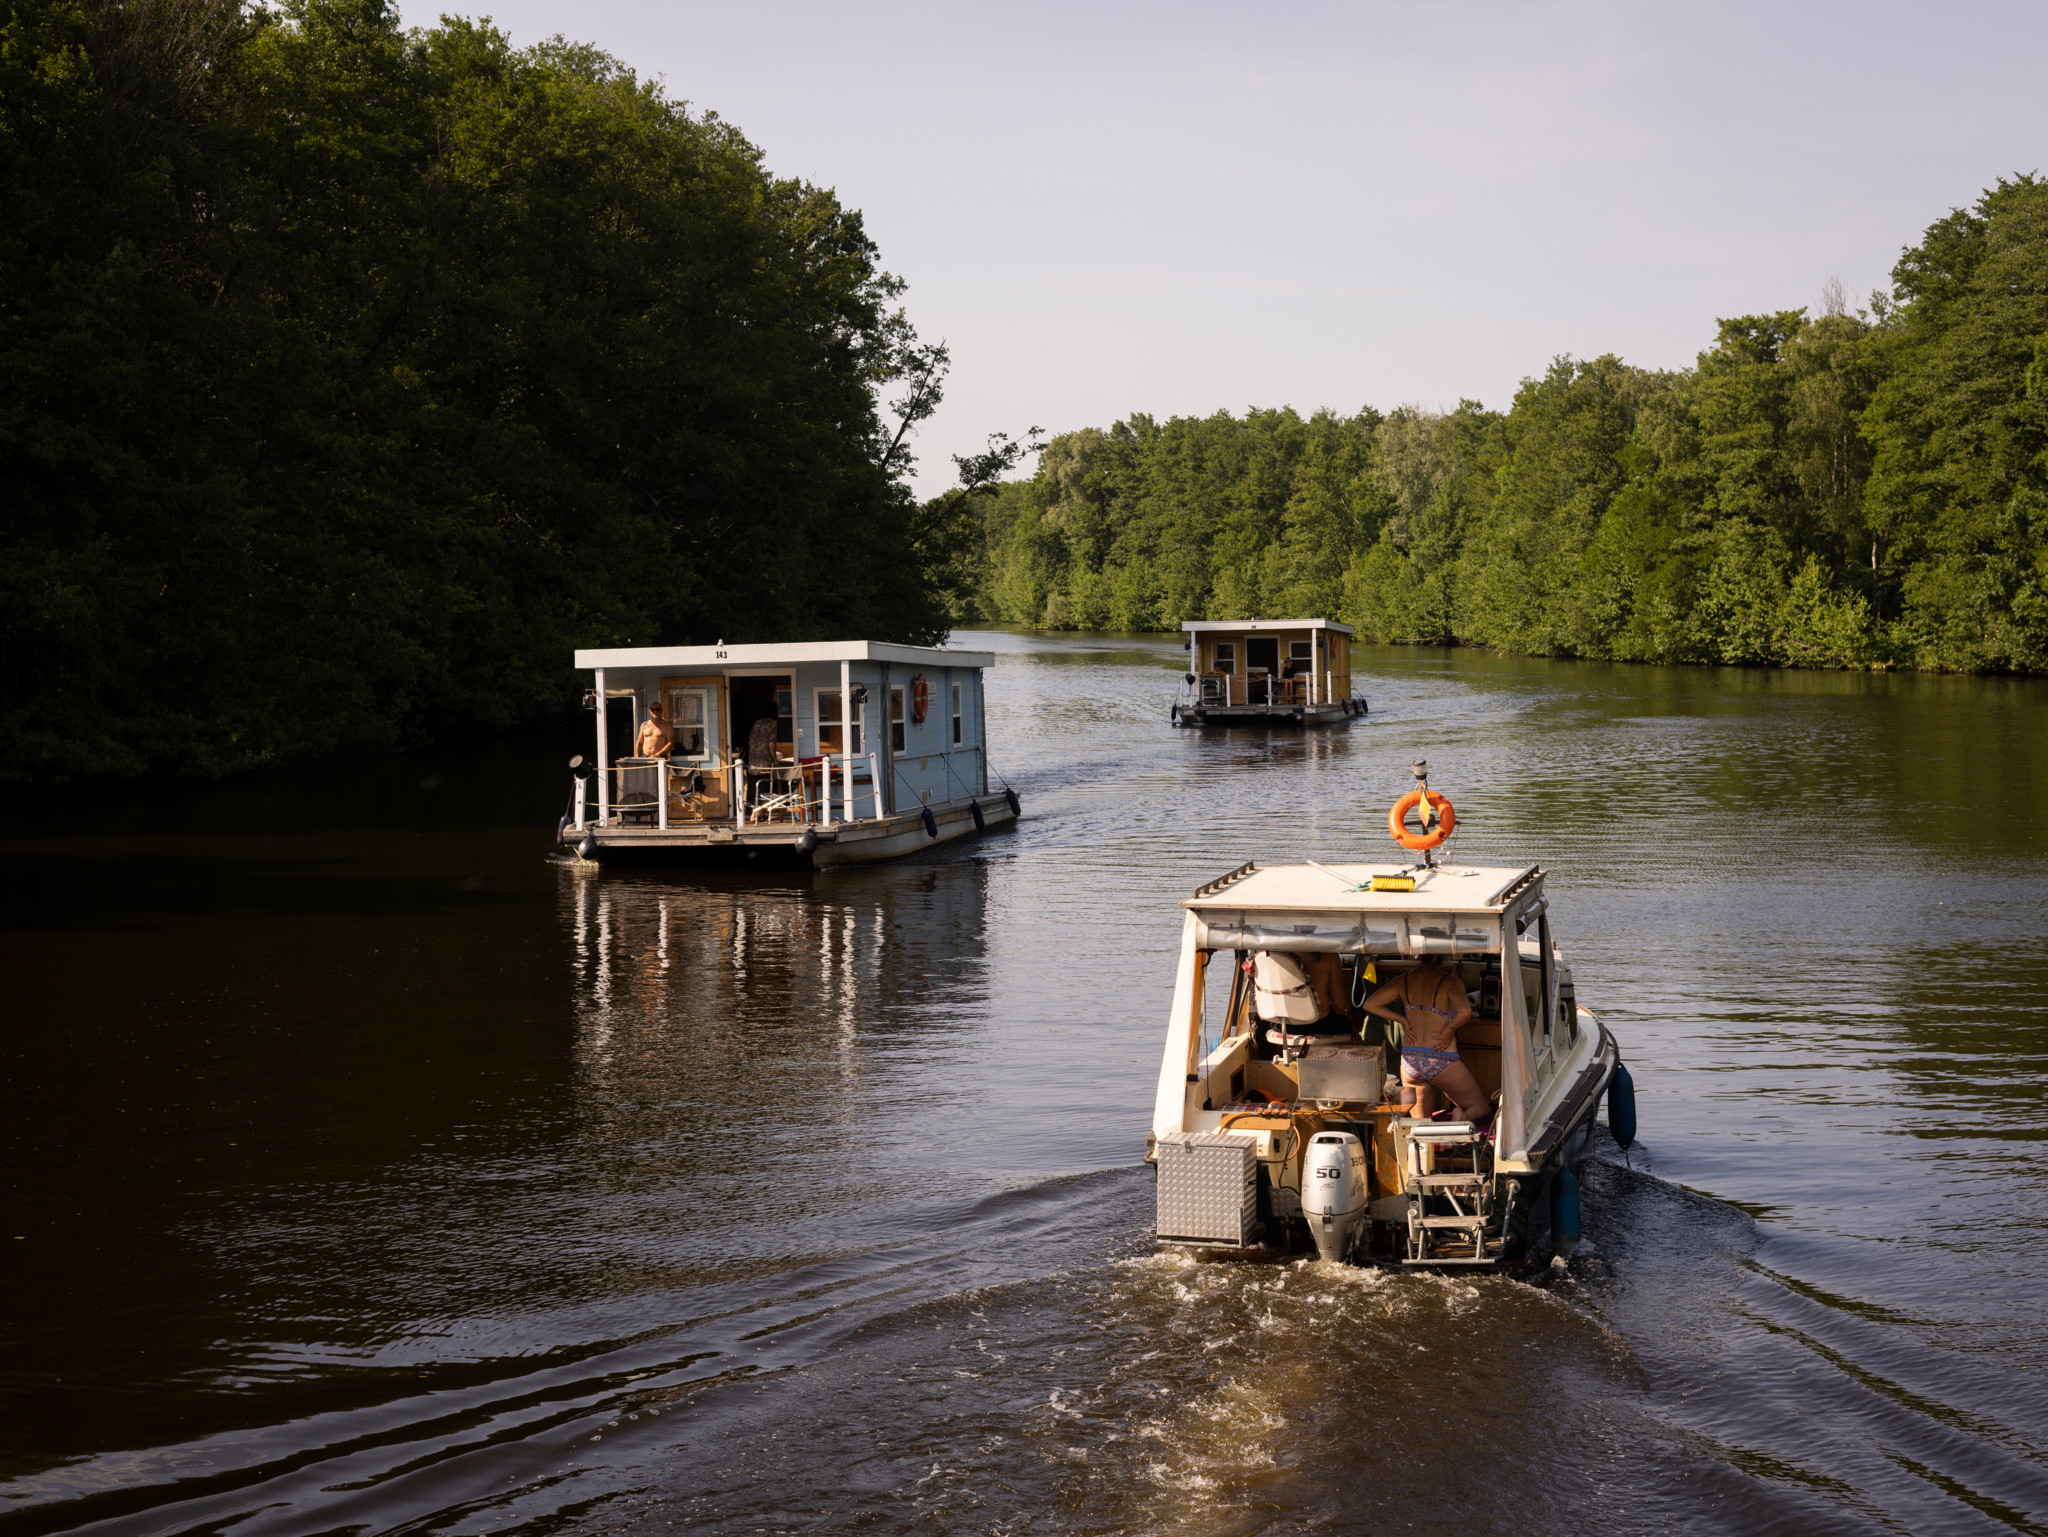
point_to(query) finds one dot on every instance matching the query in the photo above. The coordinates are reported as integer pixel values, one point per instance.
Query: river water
(367, 1171)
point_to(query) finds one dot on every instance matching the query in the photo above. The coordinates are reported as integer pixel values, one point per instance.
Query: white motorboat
(1279, 1124)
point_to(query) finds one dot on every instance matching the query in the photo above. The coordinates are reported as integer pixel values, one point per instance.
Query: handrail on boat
(1212, 887)
(1518, 878)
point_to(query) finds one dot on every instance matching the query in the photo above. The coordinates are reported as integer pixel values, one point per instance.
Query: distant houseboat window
(896, 719)
(1226, 657)
(956, 713)
(831, 730)
(688, 712)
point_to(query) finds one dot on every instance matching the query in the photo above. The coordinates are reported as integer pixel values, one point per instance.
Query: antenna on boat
(1421, 772)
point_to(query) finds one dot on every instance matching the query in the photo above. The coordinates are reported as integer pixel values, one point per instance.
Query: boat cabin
(812, 753)
(1277, 671)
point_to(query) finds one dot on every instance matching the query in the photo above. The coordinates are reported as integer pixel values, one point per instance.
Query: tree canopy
(1833, 489)
(351, 376)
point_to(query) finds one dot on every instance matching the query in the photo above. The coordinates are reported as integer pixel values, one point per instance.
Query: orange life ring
(920, 699)
(1428, 838)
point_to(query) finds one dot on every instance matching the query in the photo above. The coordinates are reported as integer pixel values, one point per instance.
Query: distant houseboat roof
(1237, 625)
(784, 652)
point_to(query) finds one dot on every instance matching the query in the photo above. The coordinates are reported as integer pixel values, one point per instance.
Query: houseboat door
(759, 695)
(1261, 662)
(621, 722)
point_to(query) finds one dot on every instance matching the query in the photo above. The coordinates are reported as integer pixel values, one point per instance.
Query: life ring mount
(1439, 820)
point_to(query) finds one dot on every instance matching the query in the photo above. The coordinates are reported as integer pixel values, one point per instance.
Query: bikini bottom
(1421, 1065)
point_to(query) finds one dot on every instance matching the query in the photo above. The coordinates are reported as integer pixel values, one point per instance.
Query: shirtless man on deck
(1436, 1004)
(655, 736)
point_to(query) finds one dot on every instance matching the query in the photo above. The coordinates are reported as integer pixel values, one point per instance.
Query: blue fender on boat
(931, 823)
(1621, 1106)
(980, 821)
(1016, 810)
(1564, 1211)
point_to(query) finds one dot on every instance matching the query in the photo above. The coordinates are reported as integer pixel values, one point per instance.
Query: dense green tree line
(1840, 489)
(351, 376)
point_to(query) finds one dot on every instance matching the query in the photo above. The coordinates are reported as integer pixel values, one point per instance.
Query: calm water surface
(365, 1171)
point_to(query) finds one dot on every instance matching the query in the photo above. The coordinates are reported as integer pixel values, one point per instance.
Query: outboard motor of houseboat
(1333, 1191)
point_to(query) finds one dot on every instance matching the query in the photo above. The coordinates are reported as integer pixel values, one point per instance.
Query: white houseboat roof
(1327, 889)
(1203, 626)
(681, 657)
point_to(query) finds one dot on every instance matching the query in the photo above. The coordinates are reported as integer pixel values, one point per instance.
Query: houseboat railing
(833, 788)
(1216, 690)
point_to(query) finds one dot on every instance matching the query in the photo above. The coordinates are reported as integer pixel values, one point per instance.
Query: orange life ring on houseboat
(920, 699)
(1429, 837)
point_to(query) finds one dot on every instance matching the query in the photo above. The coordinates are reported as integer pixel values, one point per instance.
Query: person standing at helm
(1433, 1004)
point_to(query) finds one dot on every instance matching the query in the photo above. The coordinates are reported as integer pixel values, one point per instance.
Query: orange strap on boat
(1436, 810)
(920, 698)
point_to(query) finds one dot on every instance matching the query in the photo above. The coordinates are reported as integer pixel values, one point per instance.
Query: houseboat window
(1226, 657)
(687, 712)
(785, 718)
(1300, 651)
(896, 719)
(956, 714)
(830, 728)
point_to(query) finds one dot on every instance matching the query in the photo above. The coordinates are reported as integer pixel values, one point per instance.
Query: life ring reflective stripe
(920, 699)
(1439, 812)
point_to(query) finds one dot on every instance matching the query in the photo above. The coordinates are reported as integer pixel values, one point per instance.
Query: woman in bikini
(1433, 1004)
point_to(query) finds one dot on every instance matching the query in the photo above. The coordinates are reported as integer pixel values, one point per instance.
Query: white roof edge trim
(770, 654)
(1203, 625)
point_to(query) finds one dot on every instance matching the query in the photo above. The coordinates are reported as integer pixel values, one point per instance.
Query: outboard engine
(1333, 1191)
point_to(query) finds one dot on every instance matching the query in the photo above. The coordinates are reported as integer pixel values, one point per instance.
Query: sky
(1179, 209)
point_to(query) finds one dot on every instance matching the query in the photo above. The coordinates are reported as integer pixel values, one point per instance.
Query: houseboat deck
(730, 845)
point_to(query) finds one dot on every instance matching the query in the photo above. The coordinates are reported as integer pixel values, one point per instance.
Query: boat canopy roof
(682, 658)
(1333, 888)
(1234, 626)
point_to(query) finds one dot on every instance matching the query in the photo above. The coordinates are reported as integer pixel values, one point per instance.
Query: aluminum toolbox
(1208, 1187)
(1341, 1072)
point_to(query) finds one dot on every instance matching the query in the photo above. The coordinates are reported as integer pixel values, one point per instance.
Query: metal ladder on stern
(1432, 1179)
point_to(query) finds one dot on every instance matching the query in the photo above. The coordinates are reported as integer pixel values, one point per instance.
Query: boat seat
(1302, 1040)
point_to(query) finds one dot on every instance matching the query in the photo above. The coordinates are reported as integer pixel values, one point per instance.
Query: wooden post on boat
(981, 723)
(885, 800)
(846, 735)
(946, 703)
(604, 794)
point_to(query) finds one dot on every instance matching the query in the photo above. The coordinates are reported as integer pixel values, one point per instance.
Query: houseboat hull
(1287, 716)
(787, 845)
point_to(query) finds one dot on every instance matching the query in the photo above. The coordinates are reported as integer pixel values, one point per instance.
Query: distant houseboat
(805, 755)
(1280, 672)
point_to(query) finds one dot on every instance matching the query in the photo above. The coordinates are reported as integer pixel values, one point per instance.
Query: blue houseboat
(806, 755)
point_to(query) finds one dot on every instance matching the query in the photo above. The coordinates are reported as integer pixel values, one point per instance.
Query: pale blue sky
(1117, 208)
